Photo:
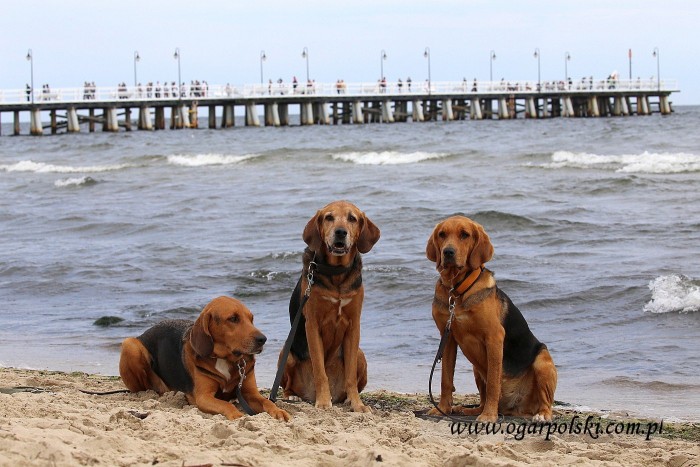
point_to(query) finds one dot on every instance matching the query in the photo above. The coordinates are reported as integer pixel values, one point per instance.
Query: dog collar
(468, 281)
(327, 270)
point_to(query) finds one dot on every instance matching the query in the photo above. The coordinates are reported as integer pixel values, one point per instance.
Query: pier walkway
(145, 107)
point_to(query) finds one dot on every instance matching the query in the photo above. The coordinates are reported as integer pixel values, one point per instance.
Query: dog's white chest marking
(223, 368)
(340, 301)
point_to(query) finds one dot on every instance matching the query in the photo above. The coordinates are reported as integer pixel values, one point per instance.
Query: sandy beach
(47, 420)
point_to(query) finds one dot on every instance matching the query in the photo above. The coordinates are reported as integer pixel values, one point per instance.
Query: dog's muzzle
(339, 246)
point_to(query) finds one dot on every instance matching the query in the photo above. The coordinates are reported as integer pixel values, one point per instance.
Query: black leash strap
(292, 332)
(239, 395)
(438, 355)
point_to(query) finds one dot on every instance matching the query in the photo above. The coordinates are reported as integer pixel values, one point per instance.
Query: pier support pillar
(417, 114)
(212, 117)
(447, 113)
(251, 115)
(283, 110)
(91, 121)
(664, 105)
(503, 109)
(475, 110)
(357, 114)
(193, 116)
(72, 120)
(145, 119)
(228, 117)
(307, 113)
(183, 120)
(160, 118)
(35, 128)
(642, 105)
(111, 123)
(127, 119)
(54, 122)
(531, 107)
(387, 114)
(16, 124)
(272, 117)
(593, 107)
(568, 107)
(322, 116)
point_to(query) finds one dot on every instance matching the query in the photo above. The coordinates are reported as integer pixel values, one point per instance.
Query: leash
(239, 395)
(292, 332)
(461, 288)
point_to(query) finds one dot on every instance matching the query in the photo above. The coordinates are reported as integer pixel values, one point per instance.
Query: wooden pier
(154, 108)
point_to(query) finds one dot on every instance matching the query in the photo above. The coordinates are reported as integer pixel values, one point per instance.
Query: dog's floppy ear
(431, 249)
(312, 233)
(482, 250)
(369, 235)
(200, 337)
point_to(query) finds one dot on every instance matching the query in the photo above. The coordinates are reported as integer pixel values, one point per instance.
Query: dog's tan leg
(351, 346)
(135, 368)
(494, 375)
(545, 383)
(481, 387)
(318, 364)
(258, 402)
(449, 358)
(204, 396)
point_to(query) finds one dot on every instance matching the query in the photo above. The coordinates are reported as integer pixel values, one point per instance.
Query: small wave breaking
(75, 181)
(387, 157)
(201, 160)
(646, 162)
(42, 167)
(674, 293)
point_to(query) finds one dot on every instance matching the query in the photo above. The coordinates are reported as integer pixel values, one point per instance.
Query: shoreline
(58, 424)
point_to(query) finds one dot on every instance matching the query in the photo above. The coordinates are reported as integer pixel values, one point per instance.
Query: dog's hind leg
(135, 368)
(545, 383)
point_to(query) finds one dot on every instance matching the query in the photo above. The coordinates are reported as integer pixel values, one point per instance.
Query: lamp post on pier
(539, 80)
(263, 57)
(305, 55)
(658, 68)
(426, 54)
(137, 58)
(567, 57)
(30, 58)
(382, 57)
(492, 57)
(176, 56)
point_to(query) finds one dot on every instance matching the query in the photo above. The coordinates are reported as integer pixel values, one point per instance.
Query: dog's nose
(260, 340)
(341, 233)
(448, 253)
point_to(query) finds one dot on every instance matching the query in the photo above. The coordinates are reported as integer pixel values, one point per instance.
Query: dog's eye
(352, 218)
(442, 234)
(234, 319)
(464, 235)
(329, 218)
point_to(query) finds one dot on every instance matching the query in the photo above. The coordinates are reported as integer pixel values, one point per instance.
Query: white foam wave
(199, 160)
(41, 167)
(674, 293)
(387, 157)
(77, 181)
(646, 162)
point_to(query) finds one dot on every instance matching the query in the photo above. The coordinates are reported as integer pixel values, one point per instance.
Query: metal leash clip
(241, 371)
(309, 278)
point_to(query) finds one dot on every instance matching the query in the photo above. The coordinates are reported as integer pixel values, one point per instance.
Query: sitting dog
(326, 364)
(203, 359)
(514, 372)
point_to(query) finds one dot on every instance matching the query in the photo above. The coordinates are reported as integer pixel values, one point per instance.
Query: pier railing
(158, 92)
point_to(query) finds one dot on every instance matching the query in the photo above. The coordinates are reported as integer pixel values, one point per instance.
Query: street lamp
(567, 57)
(137, 58)
(492, 57)
(176, 56)
(263, 57)
(426, 54)
(382, 57)
(305, 55)
(658, 69)
(537, 56)
(30, 58)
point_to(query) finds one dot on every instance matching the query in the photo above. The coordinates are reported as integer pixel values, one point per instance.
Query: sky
(221, 41)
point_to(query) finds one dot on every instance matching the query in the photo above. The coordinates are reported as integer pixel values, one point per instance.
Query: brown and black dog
(202, 359)
(514, 372)
(326, 364)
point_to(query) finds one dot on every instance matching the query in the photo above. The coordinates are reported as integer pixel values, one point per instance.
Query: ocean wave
(387, 157)
(77, 181)
(41, 167)
(674, 293)
(200, 160)
(646, 162)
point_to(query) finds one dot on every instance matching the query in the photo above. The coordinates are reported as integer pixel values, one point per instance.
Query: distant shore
(47, 420)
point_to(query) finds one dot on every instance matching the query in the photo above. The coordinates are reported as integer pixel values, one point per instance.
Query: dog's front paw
(279, 414)
(294, 398)
(487, 417)
(542, 417)
(440, 410)
(361, 408)
(323, 404)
